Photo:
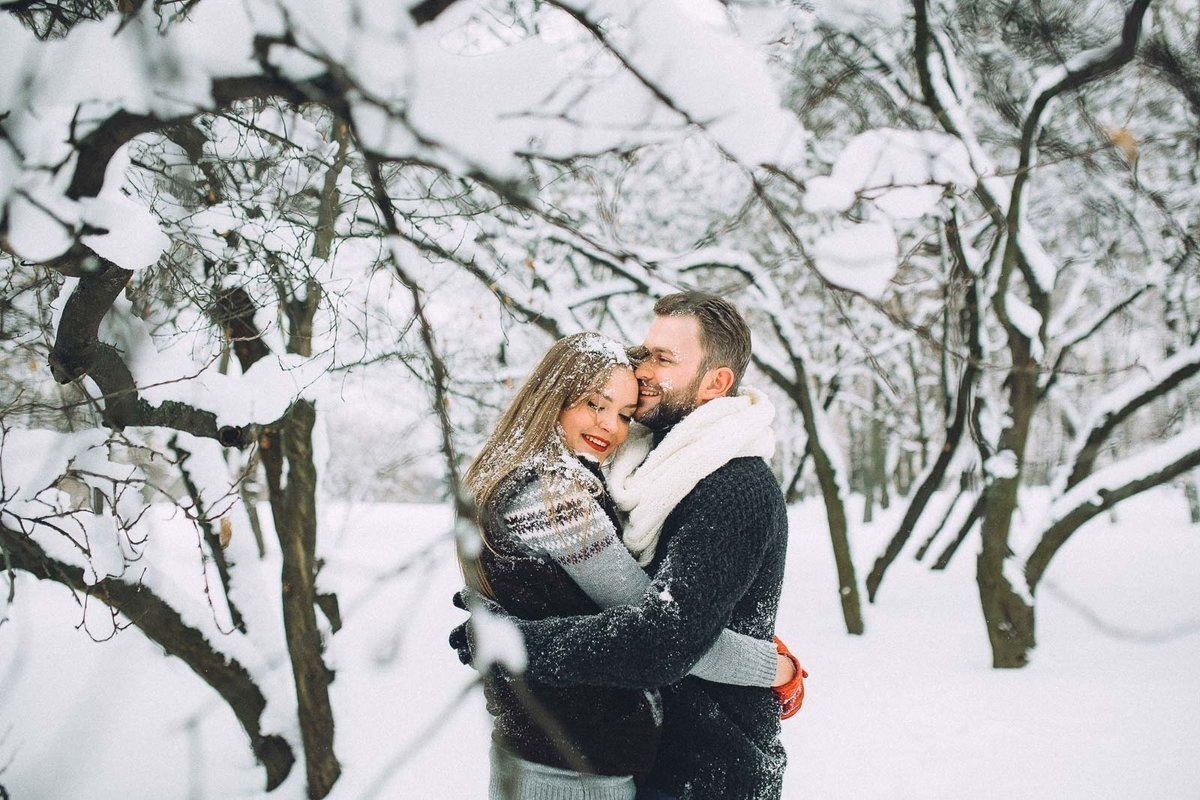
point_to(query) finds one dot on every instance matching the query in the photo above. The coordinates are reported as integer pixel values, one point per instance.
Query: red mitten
(790, 694)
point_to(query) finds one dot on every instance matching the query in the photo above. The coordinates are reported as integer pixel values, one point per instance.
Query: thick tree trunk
(1007, 614)
(294, 507)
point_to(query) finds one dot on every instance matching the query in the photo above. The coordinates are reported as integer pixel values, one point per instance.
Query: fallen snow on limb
(904, 172)
(862, 258)
(497, 641)
(1127, 471)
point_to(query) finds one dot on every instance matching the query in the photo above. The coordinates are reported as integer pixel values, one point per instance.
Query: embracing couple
(642, 564)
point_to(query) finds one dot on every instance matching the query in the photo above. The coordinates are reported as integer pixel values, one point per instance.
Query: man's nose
(643, 372)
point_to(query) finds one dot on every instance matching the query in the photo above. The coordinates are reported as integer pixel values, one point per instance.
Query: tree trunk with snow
(288, 443)
(835, 509)
(1007, 614)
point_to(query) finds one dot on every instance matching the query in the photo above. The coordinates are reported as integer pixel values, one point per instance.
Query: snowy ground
(1109, 708)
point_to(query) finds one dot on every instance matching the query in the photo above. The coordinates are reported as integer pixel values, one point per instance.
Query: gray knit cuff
(738, 659)
(515, 778)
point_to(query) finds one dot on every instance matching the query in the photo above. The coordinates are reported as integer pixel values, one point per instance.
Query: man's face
(669, 379)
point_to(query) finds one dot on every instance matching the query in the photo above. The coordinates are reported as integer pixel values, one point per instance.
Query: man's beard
(672, 407)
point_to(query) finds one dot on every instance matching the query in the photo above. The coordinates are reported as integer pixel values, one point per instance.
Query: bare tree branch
(163, 625)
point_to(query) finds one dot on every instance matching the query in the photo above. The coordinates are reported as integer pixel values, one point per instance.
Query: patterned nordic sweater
(719, 563)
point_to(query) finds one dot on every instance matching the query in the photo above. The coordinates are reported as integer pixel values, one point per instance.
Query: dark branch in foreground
(164, 626)
(78, 352)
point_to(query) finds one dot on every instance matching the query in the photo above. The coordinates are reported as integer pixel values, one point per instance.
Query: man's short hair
(724, 335)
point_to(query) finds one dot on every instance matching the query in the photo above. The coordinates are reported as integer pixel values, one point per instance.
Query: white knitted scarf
(647, 482)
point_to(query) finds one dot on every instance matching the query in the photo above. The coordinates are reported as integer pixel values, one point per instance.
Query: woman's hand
(790, 692)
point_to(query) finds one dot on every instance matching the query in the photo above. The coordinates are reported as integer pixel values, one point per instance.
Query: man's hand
(461, 638)
(790, 694)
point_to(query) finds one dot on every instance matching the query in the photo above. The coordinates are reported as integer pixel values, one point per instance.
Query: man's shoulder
(740, 486)
(747, 473)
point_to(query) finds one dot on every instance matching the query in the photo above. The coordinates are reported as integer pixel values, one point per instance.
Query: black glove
(469, 599)
(462, 641)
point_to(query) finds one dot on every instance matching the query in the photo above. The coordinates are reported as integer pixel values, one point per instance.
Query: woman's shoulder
(555, 477)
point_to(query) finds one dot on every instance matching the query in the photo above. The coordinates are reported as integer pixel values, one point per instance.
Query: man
(707, 520)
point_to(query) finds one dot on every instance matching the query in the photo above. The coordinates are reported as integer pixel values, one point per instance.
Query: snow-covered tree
(212, 211)
(978, 274)
(1062, 266)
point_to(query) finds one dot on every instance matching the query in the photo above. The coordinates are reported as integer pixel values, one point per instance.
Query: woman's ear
(717, 383)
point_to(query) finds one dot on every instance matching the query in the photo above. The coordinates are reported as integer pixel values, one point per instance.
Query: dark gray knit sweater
(719, 563)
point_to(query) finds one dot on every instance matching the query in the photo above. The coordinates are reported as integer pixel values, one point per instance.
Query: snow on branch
(1077, 71)
(1108, 487)
(1109, 410)
(1082, 68)
(203, 403)
(72, 104)
(700, 69)
(164, 625)
(905, 173)
(942, 99)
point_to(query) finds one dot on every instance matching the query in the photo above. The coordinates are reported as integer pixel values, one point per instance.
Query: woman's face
(598, 424)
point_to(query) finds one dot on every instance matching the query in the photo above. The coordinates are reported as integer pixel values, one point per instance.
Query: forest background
(260, 258)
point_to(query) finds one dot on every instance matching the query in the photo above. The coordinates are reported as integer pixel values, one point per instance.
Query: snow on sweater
(719, 563)
(559, 514)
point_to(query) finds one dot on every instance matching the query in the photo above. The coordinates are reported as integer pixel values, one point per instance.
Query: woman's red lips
(595, 442)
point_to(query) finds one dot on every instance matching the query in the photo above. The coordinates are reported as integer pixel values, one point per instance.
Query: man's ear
(717, 383)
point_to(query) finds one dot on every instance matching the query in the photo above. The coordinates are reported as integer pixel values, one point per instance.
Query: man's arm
(711, 560)
(577, 535)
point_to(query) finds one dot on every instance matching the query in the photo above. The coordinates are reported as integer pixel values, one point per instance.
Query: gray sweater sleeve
(576, 534)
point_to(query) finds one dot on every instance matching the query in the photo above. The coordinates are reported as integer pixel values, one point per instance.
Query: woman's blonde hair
(573, 369)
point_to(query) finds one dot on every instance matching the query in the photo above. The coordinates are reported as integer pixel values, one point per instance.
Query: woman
(552, 548)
